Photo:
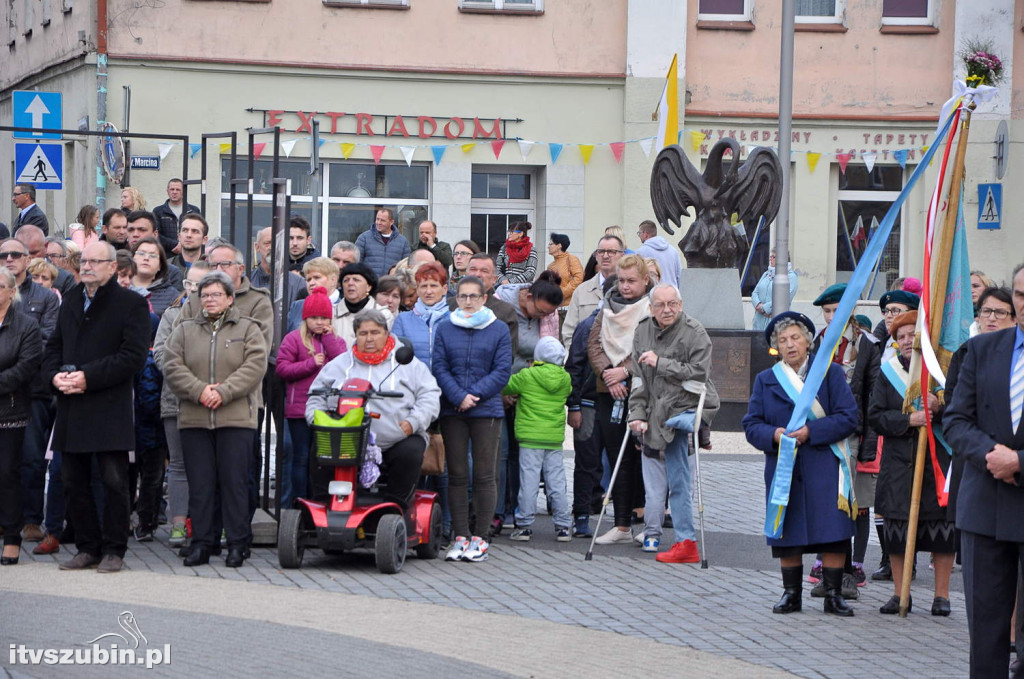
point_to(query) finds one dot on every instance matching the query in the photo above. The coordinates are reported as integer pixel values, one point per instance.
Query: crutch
(696, 466)
(607, 496)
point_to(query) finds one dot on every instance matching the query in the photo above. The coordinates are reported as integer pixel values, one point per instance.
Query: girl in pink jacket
(303, 353)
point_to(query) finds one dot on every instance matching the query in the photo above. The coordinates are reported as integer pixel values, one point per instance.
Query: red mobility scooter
(353, 517)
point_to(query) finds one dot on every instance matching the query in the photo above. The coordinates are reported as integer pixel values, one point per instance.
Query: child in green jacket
(540, 428)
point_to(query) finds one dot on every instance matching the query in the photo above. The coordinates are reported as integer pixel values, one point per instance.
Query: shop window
(500, 198)
(864, 198)
(351, 192)
(509, 6)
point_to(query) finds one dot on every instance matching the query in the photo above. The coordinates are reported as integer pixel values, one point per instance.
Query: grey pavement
(533, 609)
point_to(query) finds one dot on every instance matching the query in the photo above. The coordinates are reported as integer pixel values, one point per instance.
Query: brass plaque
(730, 368)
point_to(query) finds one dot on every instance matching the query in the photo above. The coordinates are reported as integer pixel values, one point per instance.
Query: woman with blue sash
(899, 430)
(819, 516)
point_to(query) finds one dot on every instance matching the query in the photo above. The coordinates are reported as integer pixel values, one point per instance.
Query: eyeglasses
(606, 253)
(94, 262)
(11, 255)
(892, 311)
(18, 194)
(993, 313)
(468, 298)
(50, 258)
(211, 295)
(223, 265)
(463, 254)
(674, 304)
(189, 285)
(147, 255)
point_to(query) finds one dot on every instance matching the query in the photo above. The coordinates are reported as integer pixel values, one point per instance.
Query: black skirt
(838, 547)
(935, 535)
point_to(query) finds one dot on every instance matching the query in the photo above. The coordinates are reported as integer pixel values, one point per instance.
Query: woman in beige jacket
(565, 265)
(215, 364)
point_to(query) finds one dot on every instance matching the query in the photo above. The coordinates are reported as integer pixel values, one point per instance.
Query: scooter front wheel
(390, 545)
(290, 549)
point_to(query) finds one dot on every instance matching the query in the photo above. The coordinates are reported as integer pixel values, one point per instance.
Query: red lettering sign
(274, 118)
(424, 121)
(398, 128)
(334, 115)
(480, 133)
(363, 121)
(306, 123)
(448, 127)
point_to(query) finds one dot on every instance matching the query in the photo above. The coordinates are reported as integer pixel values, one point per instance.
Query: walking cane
(607, 496)
(696, 465)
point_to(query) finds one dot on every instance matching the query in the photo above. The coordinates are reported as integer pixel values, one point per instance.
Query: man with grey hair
(24, 198)
(344, 252)
(100, 343)
(57, 252)
(428, 241)
(672, 355)
(261, 274)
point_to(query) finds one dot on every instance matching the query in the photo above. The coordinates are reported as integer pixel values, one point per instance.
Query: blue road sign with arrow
(38, 110)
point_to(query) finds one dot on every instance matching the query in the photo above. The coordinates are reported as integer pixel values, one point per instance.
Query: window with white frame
(723, 10)
(535, 6)
(383, 4)
(500, 198)
(864, 198)
(908, 12)
(819, 11)
(351, 192)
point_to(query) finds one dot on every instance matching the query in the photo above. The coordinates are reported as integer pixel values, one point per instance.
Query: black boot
(884, 572)
(834, 601)
(792, 592)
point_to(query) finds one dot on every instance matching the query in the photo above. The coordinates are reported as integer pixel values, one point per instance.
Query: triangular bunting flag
(645, 146)
(407, 152)
(617, 148)
(257, 150)
(525, 147)
(843, 160)
(438, 152)
(924, 149)
(225, 148)
(466, 148)
(321, 143)
(496, 146)
(585, 151)
(812, 160)
(347, 148)
(696, 139)
(193, 149)
(377, 151)
(901, 157)
(165, 148)
(287, 147)
(869, 160)
(555, 150)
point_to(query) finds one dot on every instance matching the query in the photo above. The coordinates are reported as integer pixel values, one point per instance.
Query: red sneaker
(681, 552)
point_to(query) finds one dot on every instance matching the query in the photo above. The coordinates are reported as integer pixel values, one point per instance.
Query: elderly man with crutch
(672, 352)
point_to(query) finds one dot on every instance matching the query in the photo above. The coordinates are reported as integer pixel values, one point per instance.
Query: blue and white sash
(782, 481)
(900, 380)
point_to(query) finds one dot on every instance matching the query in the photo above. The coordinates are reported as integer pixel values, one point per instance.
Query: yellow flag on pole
(667, 114)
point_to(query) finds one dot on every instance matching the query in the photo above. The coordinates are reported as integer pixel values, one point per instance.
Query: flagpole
(938, 302)
(780, 287)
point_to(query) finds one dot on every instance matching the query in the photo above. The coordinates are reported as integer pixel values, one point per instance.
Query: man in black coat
(100, 343)
(984, 425)
(169, 215)
(24, 198)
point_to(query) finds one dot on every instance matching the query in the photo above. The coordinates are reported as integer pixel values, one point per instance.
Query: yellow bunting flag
(225, 148)
(466, 148)
(696, 139)
(585, 151)
(347, 148)
(812, 160)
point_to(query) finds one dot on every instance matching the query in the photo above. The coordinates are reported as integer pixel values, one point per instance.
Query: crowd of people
(136, 350)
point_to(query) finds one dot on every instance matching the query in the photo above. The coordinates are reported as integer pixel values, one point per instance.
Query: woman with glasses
(464, 249)
(151, 274)
(472, 361)
(21, 352)
(214, 363)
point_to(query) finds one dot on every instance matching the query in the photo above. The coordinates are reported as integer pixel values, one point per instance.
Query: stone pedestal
(737, 356)
(712, 296)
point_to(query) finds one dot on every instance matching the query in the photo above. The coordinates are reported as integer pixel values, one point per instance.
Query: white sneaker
(458, 550)
(638, 539)
(477, 550)
(615, 537)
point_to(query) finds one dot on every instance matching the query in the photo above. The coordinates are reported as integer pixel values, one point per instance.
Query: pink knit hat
(911, 284)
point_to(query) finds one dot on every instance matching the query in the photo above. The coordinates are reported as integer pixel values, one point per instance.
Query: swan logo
(129, 646)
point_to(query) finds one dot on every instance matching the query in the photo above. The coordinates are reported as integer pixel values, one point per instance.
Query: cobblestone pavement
(724, 610)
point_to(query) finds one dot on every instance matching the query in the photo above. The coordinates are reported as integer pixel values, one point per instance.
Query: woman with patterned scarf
(517, 258)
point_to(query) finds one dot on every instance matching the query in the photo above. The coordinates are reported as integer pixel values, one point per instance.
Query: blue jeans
(531, 462)
(672, 477)
(294, 479)
(33, 460)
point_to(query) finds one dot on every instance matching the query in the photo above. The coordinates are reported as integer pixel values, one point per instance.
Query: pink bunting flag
(257, 150)
(496, 146)
(377, 151)
(844, 160)
(617, 148)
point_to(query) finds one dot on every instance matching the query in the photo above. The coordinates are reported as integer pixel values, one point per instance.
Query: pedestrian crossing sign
(990, 206)
(41, 165)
